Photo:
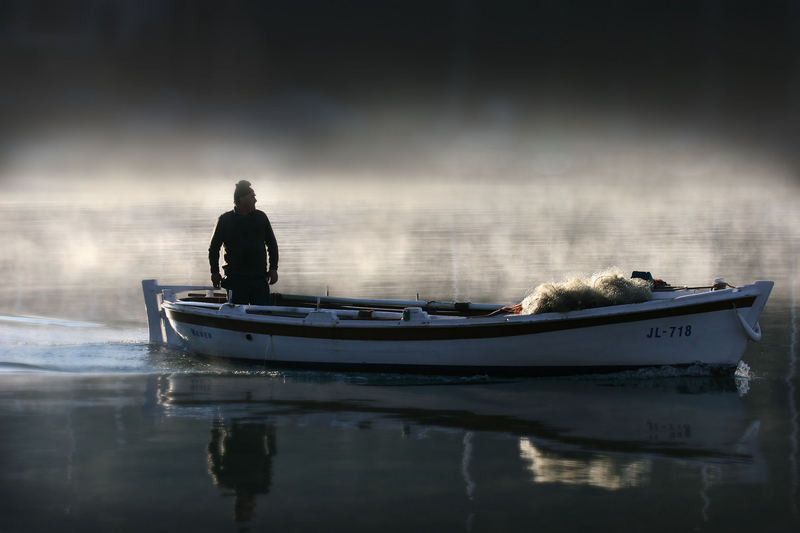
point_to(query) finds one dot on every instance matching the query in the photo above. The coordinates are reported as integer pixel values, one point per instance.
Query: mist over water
(78, 249)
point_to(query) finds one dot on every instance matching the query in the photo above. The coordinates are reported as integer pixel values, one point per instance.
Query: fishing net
(609, 287)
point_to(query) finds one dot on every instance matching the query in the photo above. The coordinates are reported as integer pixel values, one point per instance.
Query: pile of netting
(609, 287)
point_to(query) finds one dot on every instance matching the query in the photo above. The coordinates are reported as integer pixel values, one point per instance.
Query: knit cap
(242, 189)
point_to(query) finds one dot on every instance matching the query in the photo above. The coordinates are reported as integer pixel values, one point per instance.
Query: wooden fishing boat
(676, 327)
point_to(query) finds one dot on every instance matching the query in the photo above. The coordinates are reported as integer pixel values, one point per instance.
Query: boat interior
(348, 308)
(295, 305)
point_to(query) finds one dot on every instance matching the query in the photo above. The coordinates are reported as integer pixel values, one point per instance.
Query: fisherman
(244, 232)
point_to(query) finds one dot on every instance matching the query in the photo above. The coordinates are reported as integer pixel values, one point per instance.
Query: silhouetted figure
(247, 236)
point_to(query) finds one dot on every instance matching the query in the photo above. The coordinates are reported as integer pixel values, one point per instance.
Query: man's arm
(272, 249)
(213, 253)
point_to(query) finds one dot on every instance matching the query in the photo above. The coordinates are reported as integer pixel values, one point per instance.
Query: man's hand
(216, 279)
(273, 277)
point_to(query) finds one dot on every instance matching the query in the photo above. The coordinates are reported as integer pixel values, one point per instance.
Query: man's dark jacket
(244, 237)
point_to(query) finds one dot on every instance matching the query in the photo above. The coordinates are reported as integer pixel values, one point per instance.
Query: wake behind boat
(675, 327)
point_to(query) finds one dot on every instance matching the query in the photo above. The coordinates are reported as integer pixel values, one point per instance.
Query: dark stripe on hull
(419, 333)
(464, 370)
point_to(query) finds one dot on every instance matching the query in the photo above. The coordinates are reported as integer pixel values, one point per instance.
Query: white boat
(676, 327)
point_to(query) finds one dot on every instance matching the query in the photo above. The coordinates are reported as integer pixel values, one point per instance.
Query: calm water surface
(101, 432)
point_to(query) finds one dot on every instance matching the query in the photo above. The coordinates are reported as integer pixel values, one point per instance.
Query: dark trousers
(247, 289)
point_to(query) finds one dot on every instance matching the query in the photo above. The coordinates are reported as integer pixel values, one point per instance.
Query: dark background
(315, 76)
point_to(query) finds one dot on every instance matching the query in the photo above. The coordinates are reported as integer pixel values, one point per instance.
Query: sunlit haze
(464, 151)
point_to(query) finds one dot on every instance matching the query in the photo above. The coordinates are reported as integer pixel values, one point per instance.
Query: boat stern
(160, 330)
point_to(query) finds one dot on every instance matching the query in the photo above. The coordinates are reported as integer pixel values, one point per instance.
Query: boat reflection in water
(607, 432)
(598, 471)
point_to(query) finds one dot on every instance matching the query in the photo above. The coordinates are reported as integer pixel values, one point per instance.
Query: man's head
(244, 197)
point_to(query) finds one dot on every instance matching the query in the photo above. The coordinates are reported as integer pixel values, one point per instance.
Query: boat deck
(298, 306)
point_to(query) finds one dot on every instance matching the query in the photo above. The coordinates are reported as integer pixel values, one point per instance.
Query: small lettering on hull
(200, 333)
(669, 331)
(667, 431)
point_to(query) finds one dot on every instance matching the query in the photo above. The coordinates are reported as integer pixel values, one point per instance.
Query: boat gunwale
(236, 319)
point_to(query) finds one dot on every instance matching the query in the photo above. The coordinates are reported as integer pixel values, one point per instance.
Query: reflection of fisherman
(244, 231)
(240, 458)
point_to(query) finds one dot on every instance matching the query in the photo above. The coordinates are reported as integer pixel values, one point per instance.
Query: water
(102, 432)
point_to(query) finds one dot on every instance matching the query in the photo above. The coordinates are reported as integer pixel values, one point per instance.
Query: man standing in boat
(247, 236)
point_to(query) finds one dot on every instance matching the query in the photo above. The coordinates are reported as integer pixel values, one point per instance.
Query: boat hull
(709, 329)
